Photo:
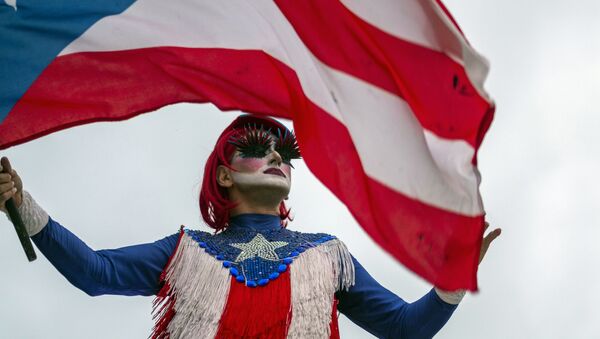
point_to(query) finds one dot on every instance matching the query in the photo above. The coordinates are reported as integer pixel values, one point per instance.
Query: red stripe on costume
(163, 306)
(259, 312)
(435, 86)
(334, 326)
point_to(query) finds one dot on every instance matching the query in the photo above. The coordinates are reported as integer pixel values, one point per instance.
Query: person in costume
(252, 277)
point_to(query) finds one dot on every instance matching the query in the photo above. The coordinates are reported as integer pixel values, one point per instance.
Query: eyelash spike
(287, 146)
(253, 142)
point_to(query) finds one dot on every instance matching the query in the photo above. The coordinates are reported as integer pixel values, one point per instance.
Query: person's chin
(282, 186)
(279, 185)
(274, 180)
(275, 183)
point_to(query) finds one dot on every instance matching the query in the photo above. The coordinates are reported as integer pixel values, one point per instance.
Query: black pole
(15, 217)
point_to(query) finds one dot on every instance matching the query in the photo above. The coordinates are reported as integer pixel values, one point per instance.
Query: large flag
(386, 97)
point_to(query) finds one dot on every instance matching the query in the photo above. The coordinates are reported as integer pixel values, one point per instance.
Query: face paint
(263, 159)
(252, 142)
(266, 172)
(245, 164)
(256, 142)
(287, 146)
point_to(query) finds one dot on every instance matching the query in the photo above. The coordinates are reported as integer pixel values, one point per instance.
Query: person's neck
(245, 208)
(255, 204)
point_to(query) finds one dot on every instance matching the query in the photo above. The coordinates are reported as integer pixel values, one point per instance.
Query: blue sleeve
(132, 270)
(385, 315)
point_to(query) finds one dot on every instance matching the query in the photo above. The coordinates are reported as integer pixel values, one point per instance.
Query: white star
(258, 247)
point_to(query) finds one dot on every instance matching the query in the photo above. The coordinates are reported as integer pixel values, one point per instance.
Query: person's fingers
(9, 174)
(486, 226)
(5, 177)
(14, 184)
(492, 235)
(7, 195)
(6, 167)
(6, 186)
(4, 198)
(17, 179)
(487, 240)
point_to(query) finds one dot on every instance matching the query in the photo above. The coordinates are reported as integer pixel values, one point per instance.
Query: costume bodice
(216, 283)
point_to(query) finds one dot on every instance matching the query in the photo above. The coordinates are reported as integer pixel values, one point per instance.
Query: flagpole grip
(15, 217)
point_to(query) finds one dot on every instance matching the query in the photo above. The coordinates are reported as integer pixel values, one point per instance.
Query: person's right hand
(11, 185)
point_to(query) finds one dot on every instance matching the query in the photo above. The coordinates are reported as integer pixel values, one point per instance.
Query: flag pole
(15, 217)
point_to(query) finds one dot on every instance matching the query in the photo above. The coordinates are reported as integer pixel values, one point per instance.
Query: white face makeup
(261, 174)
(268, 172)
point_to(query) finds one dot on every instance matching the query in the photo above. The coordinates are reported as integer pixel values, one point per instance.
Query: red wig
(215, 205)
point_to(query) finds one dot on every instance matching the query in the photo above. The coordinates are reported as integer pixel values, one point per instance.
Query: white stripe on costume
(200, 285)
(315, 277)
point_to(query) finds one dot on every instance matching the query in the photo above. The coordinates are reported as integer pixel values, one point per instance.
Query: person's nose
(275, 158)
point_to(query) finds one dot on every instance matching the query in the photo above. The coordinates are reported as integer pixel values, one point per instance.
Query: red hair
(215, 205)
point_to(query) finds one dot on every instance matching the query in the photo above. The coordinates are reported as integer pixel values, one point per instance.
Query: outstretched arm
(132, 270)
(385, 315)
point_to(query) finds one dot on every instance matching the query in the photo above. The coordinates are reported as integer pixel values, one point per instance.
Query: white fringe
(201, 287)
(315, 276)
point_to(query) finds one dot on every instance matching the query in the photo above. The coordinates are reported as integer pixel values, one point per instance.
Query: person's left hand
(487, 240)
(11, 185)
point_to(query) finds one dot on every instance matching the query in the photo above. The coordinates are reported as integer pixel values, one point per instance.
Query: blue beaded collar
(255, 248)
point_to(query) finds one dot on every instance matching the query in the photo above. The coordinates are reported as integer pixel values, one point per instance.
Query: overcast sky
(116, 184)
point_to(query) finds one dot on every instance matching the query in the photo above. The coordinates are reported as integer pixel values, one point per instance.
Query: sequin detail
(258, 247)
(256, 258)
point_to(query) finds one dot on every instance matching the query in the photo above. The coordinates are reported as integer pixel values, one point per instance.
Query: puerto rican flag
(386, 97)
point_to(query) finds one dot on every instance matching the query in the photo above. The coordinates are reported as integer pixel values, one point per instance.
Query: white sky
(116, 184)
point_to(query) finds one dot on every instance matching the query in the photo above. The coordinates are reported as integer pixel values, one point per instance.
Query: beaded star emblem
(255, 258)
(258, 247)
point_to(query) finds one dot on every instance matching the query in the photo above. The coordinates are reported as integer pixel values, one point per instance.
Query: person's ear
(224, 178)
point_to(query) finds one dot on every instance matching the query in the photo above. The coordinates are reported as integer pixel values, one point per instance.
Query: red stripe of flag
(81, 88)
(440, 246)
(435, 86)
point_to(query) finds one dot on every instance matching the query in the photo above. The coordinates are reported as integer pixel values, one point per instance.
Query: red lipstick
(274, 171)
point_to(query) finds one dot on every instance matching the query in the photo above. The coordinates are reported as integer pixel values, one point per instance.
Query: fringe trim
(194, 295)
(163, 305)
(315, 277)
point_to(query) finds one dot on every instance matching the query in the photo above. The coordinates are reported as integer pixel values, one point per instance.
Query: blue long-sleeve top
(135, 270)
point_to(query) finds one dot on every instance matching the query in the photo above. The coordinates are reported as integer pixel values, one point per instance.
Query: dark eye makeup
(252, 142)
(287, 146)
(256, 141)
